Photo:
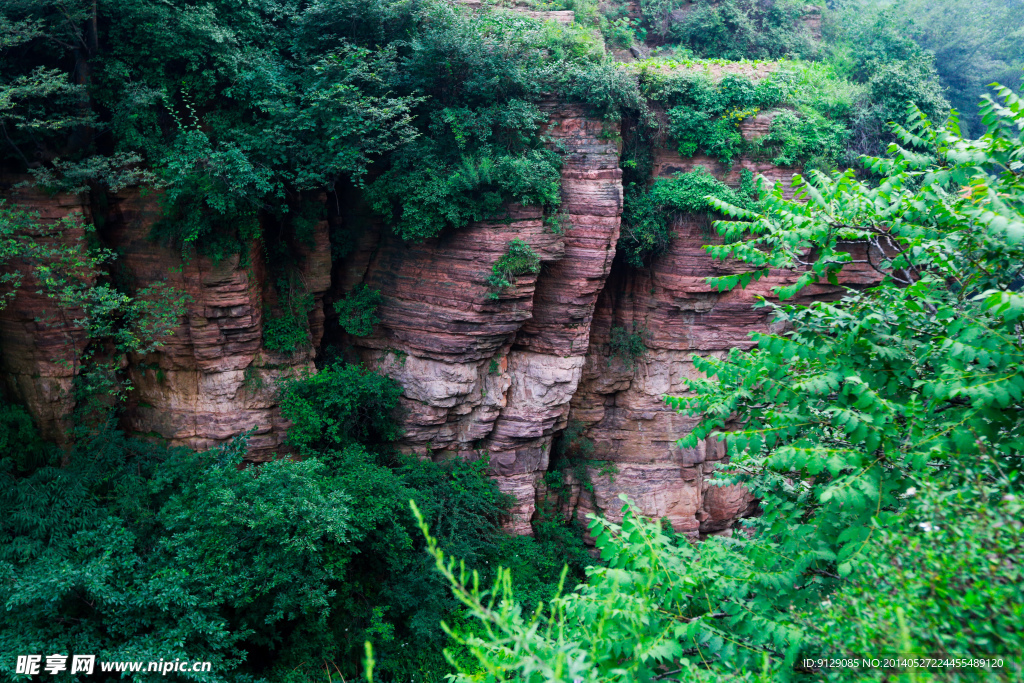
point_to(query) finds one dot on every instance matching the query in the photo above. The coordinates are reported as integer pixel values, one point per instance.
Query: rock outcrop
(41, 340)
(620, 403)
(485, 372)
(214, 378)
(485, 375)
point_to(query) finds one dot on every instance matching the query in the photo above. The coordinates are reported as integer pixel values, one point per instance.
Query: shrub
(210, 201)
(792, 139)
(423, 194)
(707, 114)
(620, 32)
(284, 333)
(147, 553)
(647, 215)
(944, 583)
(689, 192)
(519, 259)
(357, 312)
(645, 227)
(339, 406)
(289, 331)
(744, 29)
(628, 346)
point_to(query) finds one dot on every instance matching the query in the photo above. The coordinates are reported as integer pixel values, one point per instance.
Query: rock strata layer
(213, 378)
(487, 372)
(41, 341)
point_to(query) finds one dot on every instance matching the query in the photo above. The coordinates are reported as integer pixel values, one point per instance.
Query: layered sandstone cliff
(495, 376)
(484, 373)
(213, 378)
(40, 340)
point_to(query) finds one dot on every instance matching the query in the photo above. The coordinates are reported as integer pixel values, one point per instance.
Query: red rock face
(213, 379)
(622, 404)
(495, 376)
(483, 372)
(40, 342)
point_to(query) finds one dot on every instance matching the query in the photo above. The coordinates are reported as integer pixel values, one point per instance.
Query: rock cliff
(40, 343)
(484, 372)
(214, 378)
(495, 376)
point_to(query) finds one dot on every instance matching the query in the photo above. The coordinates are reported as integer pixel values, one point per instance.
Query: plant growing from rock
(288, 331)
(648, 213)
(518, 259)
(628, 346)
(357, 312)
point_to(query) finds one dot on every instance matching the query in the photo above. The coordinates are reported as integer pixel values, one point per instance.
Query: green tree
(974, 43)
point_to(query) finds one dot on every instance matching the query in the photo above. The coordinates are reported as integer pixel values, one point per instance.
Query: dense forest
(879, 427)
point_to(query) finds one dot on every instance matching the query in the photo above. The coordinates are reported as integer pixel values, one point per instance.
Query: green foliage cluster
(126, 549)
(288, 331)
(647, 215)
(738, 29)
(233, 107)
(876, 51)
(211, 197)
(357, 312)
(973, 43)
(873, 55)
(792, 139)
(134, 551)
(882, 433)
(238, 110)
(622, 32)
(951, 586)
(340, 406)
(627, 346)
(705, 116)
(343, 417)
(518, 259)
(645, 231)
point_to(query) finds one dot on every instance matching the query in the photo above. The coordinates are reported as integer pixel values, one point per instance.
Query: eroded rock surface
(214, 378)
(620, 400)
(483, 371)
(40, 340)
(489, 372)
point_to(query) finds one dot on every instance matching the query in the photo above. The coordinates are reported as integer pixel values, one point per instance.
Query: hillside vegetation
(881, 431)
